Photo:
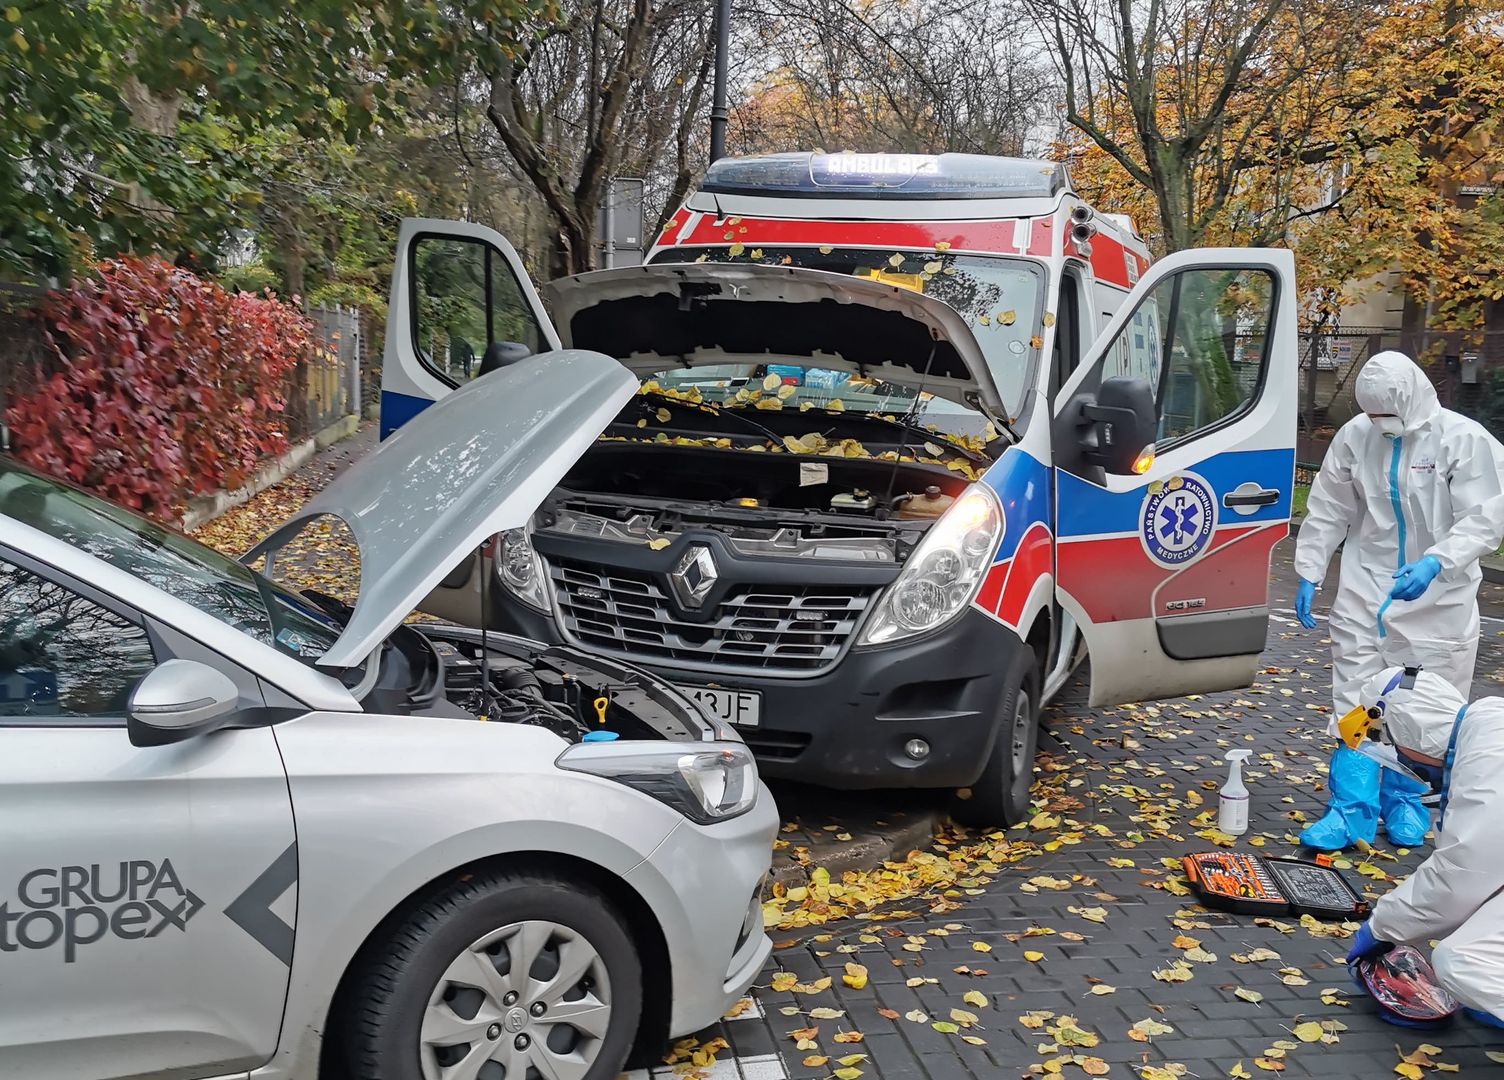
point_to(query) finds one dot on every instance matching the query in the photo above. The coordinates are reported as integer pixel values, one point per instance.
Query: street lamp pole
(718, 113)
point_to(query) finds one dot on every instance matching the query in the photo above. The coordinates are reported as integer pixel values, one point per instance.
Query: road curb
(203, 509)
(893, 843)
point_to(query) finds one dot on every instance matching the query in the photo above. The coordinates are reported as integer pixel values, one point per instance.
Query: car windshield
(998, 297)
(181, 567)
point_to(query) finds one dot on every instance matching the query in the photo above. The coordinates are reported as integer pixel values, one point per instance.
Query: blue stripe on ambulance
(1089, 510)
(1022, 485)
(398, 409)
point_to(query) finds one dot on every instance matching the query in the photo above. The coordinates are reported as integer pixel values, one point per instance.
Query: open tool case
(1254, 885)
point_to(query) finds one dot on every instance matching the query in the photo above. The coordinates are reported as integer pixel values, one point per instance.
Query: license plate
(740, 708)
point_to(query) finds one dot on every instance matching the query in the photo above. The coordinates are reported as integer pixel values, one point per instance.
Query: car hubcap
(530, 997)
(1023, 763)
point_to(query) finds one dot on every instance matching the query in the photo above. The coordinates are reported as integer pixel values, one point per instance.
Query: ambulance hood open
(681, 315)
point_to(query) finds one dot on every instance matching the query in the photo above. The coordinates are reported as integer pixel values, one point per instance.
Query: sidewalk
(1069, 946)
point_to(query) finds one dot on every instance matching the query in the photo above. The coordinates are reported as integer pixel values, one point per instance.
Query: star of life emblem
(1178, 519)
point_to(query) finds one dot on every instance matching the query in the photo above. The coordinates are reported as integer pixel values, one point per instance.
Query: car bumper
(704, 883)
(848, 727)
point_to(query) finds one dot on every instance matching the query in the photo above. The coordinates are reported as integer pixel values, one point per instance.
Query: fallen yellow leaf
(855, 977)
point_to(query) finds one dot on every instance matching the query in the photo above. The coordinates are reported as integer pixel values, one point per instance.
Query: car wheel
(1000, 797)
(496, 978)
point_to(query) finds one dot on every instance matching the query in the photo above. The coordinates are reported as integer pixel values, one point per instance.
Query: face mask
(1391, 427)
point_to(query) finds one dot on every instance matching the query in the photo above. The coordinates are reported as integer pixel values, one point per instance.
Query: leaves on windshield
(936, 450)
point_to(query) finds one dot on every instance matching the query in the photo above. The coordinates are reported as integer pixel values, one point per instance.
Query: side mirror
(177, 700)
(500, 354)
(1118, 427)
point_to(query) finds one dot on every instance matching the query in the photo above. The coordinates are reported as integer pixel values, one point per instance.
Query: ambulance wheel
(1000, 797)
(500, 974)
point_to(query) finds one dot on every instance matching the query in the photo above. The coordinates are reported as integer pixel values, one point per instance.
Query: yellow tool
(600, 704)
(1355, 726)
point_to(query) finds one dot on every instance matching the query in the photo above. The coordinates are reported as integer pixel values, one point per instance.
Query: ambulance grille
(763, 628)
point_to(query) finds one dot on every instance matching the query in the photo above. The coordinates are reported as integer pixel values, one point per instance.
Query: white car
(255, 833)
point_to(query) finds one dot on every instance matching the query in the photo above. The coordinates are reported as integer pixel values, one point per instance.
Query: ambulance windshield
(1000, 299)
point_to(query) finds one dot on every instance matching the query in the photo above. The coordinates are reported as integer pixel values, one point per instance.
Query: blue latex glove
(1412, 579)
(1303, 597)
(1366, 946)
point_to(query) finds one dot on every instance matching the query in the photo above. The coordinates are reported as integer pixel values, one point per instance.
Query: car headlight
(706, 785)
(521, 569)
(944, 573)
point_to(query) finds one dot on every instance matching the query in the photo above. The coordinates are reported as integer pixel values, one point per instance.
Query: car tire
(437, 992)
(1000, 796)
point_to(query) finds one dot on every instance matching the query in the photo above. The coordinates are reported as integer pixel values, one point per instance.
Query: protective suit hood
(1418, 719)
(1393, 383)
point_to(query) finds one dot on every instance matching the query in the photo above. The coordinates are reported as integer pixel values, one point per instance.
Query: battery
(1255, 885)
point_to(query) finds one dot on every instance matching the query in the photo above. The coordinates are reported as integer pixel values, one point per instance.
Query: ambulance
(915, 436)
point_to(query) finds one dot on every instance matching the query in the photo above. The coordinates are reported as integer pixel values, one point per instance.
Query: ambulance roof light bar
(867, 176)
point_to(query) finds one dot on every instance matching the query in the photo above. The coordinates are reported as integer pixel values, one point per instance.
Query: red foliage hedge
(165, 386)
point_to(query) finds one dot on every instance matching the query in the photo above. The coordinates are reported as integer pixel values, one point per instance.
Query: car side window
(466, 301)
(61, 654)
(1200, 340)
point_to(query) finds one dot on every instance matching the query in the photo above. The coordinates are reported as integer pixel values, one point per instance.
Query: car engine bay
(439, 669)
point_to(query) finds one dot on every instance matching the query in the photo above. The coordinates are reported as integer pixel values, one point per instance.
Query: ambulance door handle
(1250, 495)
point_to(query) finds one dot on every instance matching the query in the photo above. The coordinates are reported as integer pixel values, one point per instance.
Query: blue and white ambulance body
(916, 434)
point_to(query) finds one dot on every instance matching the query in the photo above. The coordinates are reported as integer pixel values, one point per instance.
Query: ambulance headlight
(944, 573)
(520, 568)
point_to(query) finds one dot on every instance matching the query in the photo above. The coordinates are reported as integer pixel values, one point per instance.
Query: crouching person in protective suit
(1417, 720)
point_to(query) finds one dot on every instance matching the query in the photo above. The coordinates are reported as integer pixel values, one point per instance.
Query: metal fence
(318, 393)
(1467, 369)
(329, 388)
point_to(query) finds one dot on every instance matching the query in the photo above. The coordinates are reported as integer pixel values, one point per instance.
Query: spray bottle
(1232, 809)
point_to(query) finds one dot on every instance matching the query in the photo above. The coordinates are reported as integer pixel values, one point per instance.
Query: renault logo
(694, 576)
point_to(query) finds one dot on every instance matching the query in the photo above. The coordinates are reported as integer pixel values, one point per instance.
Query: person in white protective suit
(1457, 895)
(1415, 494)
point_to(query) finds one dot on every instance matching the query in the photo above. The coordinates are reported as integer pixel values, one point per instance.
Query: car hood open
(474, 464)
(674, 315)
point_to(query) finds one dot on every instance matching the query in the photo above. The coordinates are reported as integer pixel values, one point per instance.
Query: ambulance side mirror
(1119, 424)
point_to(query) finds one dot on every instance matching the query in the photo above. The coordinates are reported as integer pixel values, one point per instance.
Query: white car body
(192, 909)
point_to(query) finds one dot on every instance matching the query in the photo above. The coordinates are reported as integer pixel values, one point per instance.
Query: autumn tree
(1415, 168)
(1352, 147)
(918, 76)
(597, 89)
(139, 124)
(1190, 98)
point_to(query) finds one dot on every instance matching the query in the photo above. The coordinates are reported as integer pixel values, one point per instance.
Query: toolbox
(1255, 885)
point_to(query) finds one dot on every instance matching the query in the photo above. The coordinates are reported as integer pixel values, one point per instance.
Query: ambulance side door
(1166, 570)
(459, 294)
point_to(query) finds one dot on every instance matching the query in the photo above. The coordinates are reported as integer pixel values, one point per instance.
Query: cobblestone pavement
(1125, 788)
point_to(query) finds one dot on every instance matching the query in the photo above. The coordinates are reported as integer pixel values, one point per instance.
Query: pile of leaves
(160, 386)
(938, 449)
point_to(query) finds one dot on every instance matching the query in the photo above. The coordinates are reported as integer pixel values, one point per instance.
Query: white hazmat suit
(1457, 895)
(1428, 482)
(1436, 489)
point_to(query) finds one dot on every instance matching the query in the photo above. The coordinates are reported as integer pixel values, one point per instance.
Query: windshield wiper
(717, 411)
(910, 423)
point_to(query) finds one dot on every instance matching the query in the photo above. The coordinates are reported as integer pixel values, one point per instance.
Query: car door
(1166, 571)
(461, 301)
(147, 895)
